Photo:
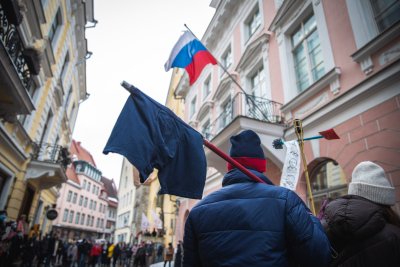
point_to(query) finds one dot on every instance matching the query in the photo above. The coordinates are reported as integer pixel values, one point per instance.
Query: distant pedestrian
(140, 256)
(160, 252)
(178, 255)
(362, 227)
(169, 254)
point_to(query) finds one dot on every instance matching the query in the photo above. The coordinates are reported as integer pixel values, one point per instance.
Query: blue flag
(151, 136)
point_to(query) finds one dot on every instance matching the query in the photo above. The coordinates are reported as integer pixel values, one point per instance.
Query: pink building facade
(83, 201)
(331, 64)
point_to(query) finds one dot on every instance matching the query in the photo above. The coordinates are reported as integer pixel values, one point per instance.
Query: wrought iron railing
(11, 40)
(248, 106)
(51, 153)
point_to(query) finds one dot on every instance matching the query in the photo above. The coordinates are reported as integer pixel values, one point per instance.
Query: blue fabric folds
(151, 136)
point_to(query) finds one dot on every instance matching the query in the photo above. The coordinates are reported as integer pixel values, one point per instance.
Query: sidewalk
(161, 264)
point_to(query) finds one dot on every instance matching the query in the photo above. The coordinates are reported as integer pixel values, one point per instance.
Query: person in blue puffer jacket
(251, 224)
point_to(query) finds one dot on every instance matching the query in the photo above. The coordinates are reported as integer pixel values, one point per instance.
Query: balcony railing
(51, 154)
(12, 43)
(248, 106)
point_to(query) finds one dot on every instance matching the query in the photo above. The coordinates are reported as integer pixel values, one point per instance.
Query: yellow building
(43, 50)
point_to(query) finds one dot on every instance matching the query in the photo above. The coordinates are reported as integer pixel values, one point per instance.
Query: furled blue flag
(151, 136)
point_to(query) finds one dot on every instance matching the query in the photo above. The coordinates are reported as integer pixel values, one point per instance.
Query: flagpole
(213, 148)
(298, 128)
(230, 76)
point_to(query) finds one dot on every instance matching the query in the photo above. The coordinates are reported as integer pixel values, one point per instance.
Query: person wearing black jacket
(361, 226)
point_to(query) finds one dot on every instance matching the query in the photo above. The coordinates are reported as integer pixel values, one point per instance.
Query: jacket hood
(236, 176)
(353, 218)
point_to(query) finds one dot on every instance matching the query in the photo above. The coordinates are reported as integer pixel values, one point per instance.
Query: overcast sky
(131, 42)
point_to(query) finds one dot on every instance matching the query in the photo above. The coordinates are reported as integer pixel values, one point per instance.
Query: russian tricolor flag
(191, 54)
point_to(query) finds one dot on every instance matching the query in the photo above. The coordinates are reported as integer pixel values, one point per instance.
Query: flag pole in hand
(298, 129)
(229, 159)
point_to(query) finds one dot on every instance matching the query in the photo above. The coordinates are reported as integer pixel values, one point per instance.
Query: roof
(71, 174)
(81, 153)
(109, 187)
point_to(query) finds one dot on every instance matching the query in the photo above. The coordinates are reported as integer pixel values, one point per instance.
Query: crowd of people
(31, 250)
(244, 223)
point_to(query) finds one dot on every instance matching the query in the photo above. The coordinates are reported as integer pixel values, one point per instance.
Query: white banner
(291, 167)
(145, 223)
(157, 221)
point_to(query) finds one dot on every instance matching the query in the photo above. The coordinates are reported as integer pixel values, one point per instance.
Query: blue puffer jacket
(252, 224)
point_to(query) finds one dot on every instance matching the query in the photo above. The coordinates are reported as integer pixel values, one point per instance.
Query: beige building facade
(43, 50)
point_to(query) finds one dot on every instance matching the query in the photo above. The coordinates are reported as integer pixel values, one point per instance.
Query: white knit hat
(369, 181)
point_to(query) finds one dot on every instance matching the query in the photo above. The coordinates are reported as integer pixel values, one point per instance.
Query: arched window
(328, 181)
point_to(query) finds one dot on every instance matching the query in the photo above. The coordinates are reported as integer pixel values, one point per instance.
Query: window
(65, 217)
(84, 182)
(258, 83)
(100, 207)
(65, 66)
(386, 13)
(328, 181)
(88, 186)
(71, 216)
(98, 222)
(69, 196)
(83, 219)
(94, 189)
(80, 200)
(226, 113)
(74, 198)
(54, 26)
(94, 205)
(77, 217)
(47, 127)
(205, 130)
(206, 88)
(6, 181)
(192, 109)
(85, 202)
(252, 23)
(307, 54)
(88, 220)
(91, 204)
(227, 58)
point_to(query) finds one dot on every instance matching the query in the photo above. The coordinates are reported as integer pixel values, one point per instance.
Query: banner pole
(298, 128)
(229, 159)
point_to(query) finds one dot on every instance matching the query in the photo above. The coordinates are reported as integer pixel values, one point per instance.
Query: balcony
(48, 165)
(246, 112)
(17, 65)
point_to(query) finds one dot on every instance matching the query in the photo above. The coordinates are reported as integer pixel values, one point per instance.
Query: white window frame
(284, 33)
(206, 88)
(65, 215)
(222, 108)
(227, 57)
(362, 21)
(304, 42)
(256, 72)
(249, 19)
(192, 107)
